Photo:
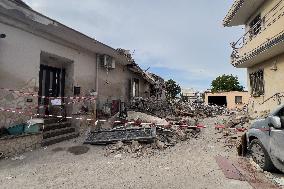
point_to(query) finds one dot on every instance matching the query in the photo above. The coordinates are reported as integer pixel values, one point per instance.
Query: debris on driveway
(232, 128)
(21, 157)
(123, 135)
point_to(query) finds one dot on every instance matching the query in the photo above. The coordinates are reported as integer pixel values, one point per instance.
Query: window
(255, 25)
(238, 99)
(135, 87)
(257, 83)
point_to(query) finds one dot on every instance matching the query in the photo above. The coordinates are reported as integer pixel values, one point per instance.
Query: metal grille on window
(257, 83)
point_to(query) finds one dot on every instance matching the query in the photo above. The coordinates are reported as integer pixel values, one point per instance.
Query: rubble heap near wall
(163, 108)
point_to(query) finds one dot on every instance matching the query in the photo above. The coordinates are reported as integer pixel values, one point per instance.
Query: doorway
(51, 84)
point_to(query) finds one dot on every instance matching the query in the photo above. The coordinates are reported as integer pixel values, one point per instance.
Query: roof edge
(232, 12)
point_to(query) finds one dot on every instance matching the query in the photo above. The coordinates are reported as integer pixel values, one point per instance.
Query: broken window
(257, 83)
(238, 99)
(255, 25)
(106, 61)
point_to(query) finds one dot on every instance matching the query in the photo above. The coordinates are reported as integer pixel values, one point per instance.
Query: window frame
(237, 101)
(257, 84)
(255, 25)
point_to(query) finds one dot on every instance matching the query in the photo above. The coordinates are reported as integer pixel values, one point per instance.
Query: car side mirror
(274, 121)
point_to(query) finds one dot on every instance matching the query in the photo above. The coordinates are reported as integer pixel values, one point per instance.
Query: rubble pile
(158, 107)
(232, 129)
(165, 137)
(164, 108)
(196, 109)
(144, 135)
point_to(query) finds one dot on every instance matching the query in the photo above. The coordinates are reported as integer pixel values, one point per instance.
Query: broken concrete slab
(123, 135)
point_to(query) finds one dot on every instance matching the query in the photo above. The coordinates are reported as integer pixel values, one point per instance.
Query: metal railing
(267, 20)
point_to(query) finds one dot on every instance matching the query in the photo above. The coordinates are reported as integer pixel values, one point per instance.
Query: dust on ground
(189, 164)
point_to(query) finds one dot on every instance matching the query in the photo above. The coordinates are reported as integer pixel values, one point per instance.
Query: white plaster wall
(20, 63)
(21, 50)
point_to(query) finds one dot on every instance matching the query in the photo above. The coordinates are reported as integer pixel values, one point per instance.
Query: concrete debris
(233, 128)
(10, 177)
(157, 107)
(145, 118)
(118, 156)
(164, 108)
(121, 134)
(165, 136)
(19, 157)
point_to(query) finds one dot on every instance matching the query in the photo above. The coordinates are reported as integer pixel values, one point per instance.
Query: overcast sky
(179, 39)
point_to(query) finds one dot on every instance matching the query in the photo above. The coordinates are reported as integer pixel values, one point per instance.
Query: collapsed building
(53, 72)
(119, 82)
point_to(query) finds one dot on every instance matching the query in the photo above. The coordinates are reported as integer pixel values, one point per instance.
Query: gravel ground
(189, 164)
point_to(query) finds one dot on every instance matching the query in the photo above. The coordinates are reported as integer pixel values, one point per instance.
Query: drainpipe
(97, 75)
(97, 85)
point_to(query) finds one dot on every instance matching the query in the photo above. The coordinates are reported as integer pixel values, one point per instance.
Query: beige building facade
(231, 100)
(260, 50)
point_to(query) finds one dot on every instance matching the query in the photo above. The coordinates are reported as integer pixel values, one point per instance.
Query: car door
(277, 139)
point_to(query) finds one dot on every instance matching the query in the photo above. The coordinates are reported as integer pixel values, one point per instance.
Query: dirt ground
(189, 164)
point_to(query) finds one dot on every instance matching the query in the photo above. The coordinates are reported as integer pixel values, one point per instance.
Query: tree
(172, 89)
(226, 83)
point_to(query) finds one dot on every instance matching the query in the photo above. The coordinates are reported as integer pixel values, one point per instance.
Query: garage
(217, 100)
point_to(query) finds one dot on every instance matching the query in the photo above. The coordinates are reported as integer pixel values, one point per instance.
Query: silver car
(264, 141)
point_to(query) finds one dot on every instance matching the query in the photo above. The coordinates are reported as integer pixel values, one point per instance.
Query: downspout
(97, 75)
(97, 86)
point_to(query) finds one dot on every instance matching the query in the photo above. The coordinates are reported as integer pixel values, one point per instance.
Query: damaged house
(120, 82)
(260, 50)
(55, 73)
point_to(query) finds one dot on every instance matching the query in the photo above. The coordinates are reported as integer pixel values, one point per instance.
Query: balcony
(262, 41)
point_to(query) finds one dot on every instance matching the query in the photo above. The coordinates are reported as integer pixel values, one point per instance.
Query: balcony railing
(267, 20)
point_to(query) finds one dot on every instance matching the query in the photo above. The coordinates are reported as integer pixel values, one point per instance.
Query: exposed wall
(20, 64)
(273, 83)
(230, 96)
(115, 85)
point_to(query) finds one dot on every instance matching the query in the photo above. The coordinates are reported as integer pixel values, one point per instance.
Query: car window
(281, 112)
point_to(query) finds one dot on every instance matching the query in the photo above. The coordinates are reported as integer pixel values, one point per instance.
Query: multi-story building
(260, 49)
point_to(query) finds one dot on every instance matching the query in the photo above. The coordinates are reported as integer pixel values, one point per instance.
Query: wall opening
(217, 100)
(55, 80)
(257, 83)
(135, 87)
